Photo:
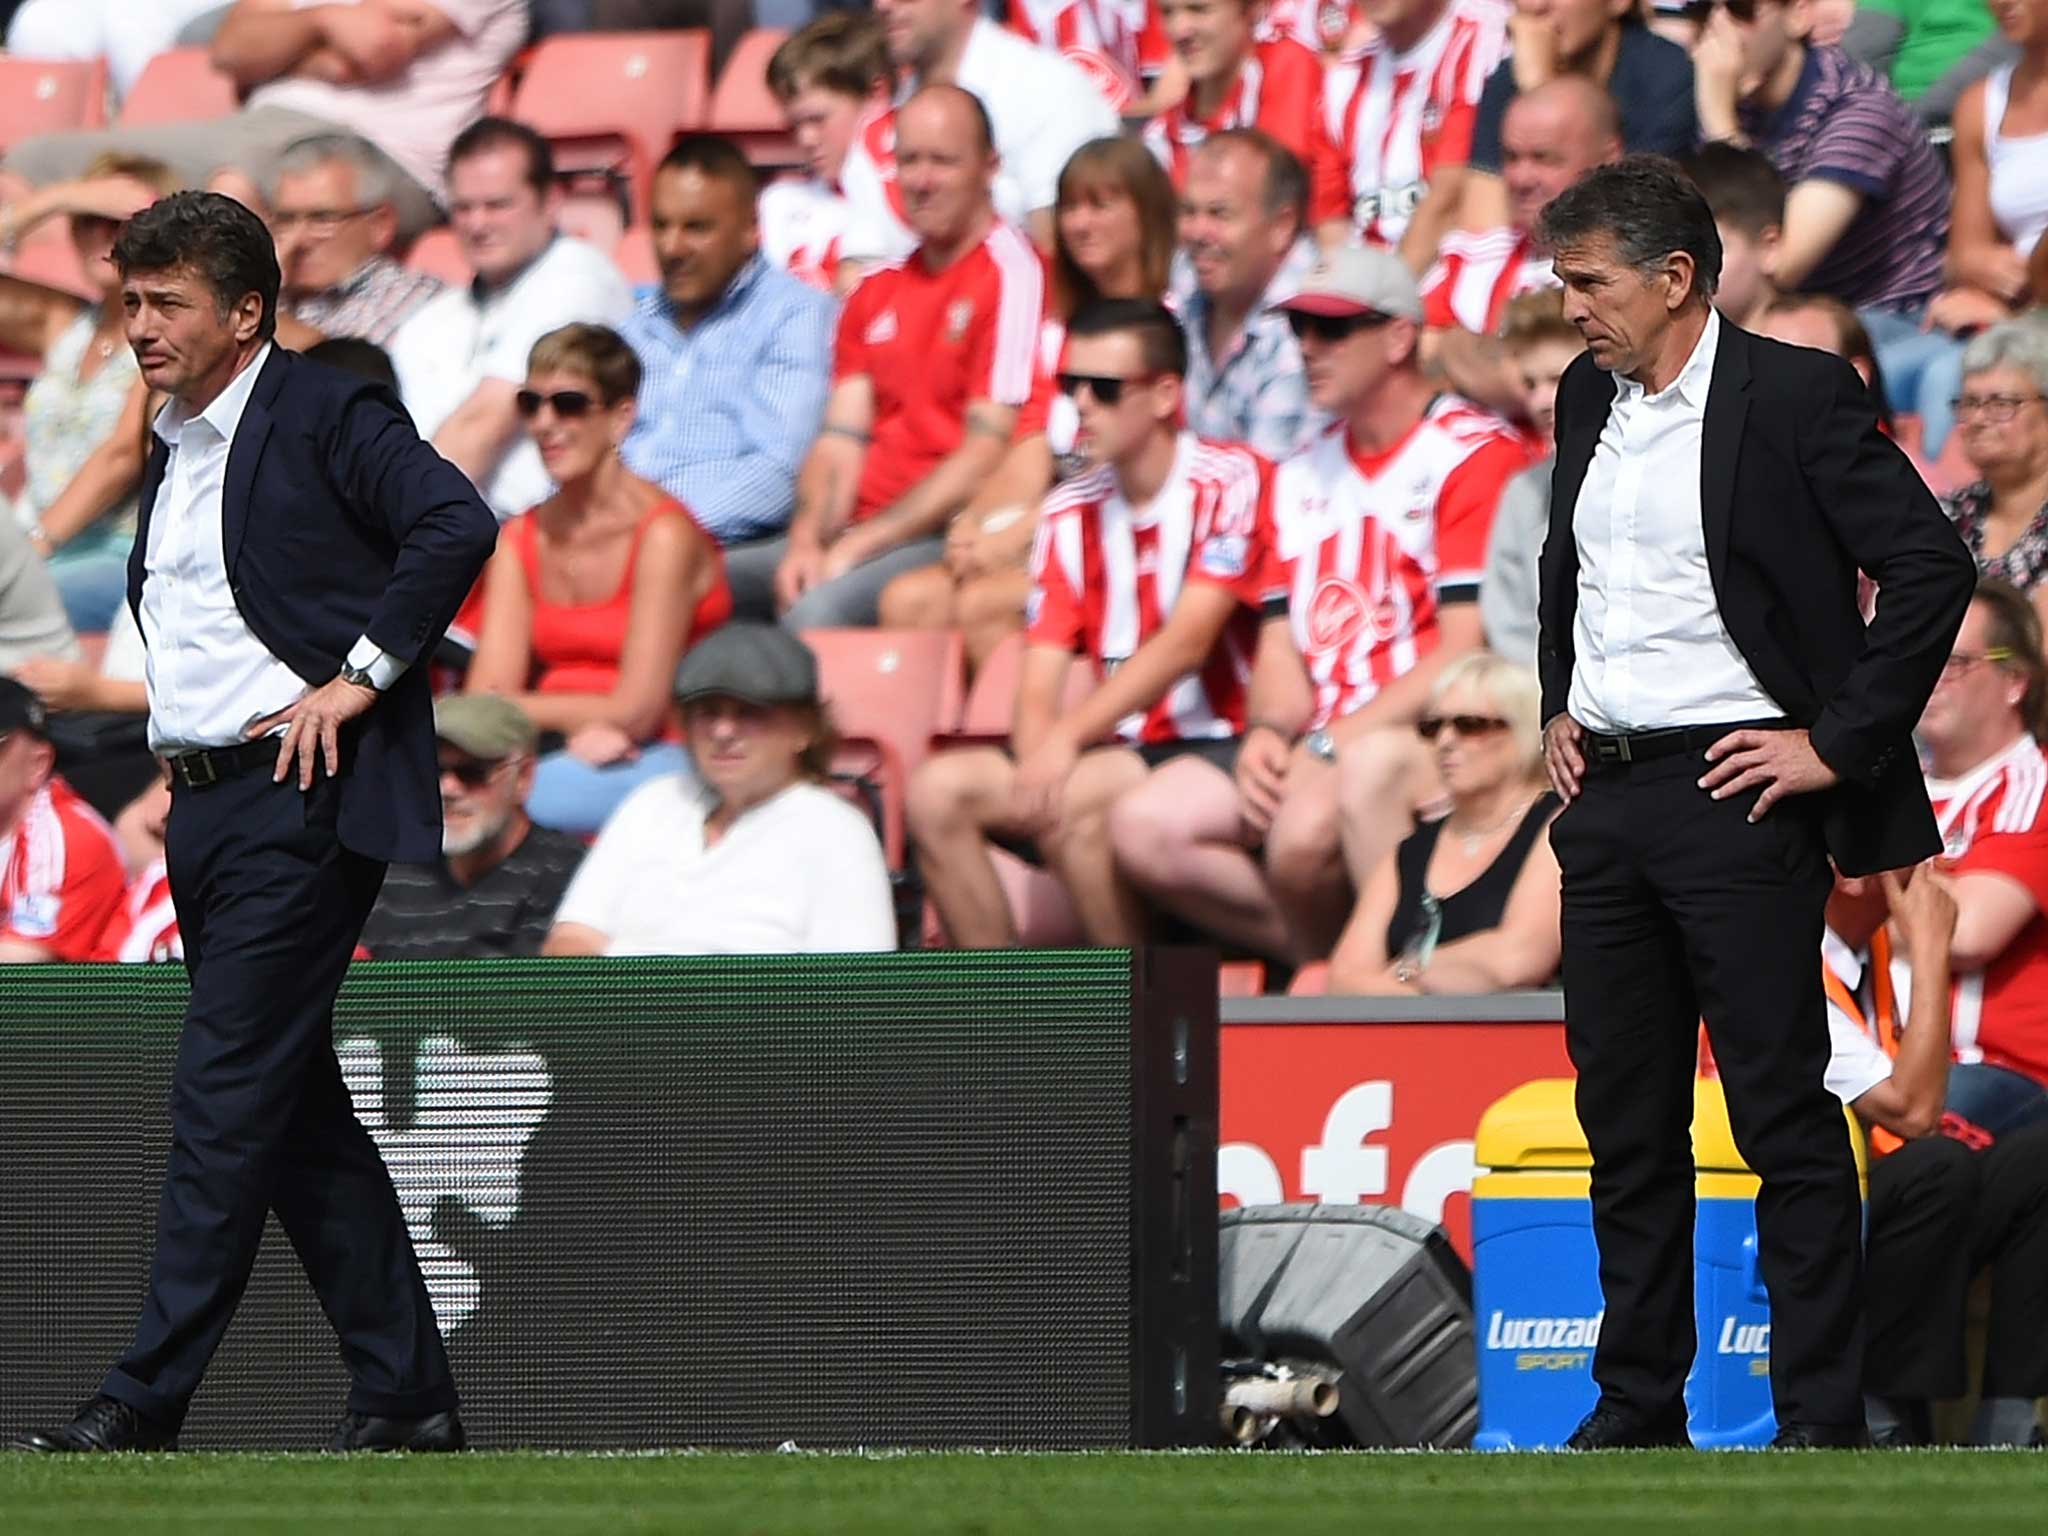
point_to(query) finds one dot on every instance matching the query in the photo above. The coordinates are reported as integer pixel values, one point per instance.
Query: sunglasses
(569, 404)
(1432, 726)
(1331, 327)
(1104, 387)
(471, 774)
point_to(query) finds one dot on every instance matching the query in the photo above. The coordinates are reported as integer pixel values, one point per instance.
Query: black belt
(1678, 741)
(201, 769)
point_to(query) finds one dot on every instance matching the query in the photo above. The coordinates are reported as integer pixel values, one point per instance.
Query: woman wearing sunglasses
(593, 596)
(1468, 903)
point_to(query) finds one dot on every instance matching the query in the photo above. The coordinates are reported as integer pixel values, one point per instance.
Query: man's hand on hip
(1781, 763)
(1564, 757)
(313, 728)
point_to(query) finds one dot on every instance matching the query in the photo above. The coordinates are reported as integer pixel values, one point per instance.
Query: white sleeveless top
(2019, 169)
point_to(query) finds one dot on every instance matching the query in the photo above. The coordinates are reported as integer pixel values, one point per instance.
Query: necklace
(1471, 841)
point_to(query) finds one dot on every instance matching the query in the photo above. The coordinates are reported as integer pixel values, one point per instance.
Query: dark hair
(217, 238)
(1648, 207)
(716, 158)
(488, 133)
(841, 51)
(1742, 187)
(352, 354)
(2011, 624)
(1160, 339)
(1286, 181)
(597, 351)
(977, 111)
(1125, 164)
(1852, 341)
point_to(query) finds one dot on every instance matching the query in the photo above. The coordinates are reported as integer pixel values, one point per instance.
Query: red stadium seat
(890, 691)
(438, 252)
(634, 255)
(745, 110)
(50, 96)
(1312, 980)
(179, 85)
(992, 700)
(616, 100)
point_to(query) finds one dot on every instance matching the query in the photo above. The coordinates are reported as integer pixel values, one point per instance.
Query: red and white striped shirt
(1992, 822)
(930, 343)
(803, 224)
(144, 927)
(1117, 43)
(1318, 25)
(1476, 274)
(1364, 548)
(60, 874)
(1105, 575)
(1398, 118)
(1279, 89)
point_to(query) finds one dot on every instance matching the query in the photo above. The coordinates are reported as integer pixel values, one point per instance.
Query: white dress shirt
(1651, 648)
(206, 673)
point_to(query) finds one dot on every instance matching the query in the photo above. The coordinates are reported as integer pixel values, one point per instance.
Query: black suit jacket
(337, 521)
(1798, 490)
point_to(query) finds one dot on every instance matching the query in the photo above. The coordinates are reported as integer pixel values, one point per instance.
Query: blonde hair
(152, 173)
(1511, 689)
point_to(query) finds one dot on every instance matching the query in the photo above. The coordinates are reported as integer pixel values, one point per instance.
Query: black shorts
(1219, 750)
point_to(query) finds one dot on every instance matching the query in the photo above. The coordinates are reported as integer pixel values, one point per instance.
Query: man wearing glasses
(332, 214)
(494, 889)
(1366, 565)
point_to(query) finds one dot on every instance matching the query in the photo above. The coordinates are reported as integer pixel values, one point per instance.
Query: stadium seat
(616, 100)
(635, 256)
(440, 253)
(179, 85)
(1312, 980)
(50, 96)
(992, 699)
(745, 110)
(889, 691)
(1241, 978)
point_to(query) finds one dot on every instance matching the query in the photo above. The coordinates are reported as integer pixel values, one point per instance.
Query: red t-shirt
(144, 926)
(1105, 577)
(1360, 549)
(930, 343)
(60, 874)
(1278, 90)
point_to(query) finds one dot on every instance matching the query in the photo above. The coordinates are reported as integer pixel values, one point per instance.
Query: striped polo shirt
(1844, 124)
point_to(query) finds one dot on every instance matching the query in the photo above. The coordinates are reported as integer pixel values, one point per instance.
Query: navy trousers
(270, 907)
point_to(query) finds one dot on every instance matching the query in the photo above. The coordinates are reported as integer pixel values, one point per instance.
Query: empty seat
(890, 692)
(745, 110)
(616, 100)
(992, 700)
(50, 96)
(179, 85)
(635, 256)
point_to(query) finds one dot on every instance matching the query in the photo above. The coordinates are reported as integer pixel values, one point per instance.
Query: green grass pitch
(1929, 1493)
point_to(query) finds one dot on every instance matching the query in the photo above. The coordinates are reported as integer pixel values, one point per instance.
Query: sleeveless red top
(577, 646)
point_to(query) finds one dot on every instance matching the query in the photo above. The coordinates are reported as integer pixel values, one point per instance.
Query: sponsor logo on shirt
(1388, 202)
(959, 315)
(1336, 614)
(881, 329)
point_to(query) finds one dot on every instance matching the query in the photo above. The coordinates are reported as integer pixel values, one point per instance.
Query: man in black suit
(1719, 721)
(299, 552)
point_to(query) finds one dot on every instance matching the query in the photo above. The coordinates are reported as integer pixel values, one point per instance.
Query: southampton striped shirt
(930, 344)
(1991, 820)
(60, 874)
(1477, 273)
(1844, 124)
(728, 407)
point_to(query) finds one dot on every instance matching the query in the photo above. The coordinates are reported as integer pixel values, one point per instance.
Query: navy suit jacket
(338, 522)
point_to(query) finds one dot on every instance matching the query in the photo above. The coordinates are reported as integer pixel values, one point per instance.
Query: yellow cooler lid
(1533, 1126)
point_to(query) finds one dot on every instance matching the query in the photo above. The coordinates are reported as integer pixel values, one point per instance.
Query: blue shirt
(730, 406)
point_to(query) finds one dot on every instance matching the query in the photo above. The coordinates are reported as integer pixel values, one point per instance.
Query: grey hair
(376, 184)
(1648, 207)
(2021, 344)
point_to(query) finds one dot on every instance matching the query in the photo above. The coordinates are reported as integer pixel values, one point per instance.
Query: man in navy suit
(300, 550)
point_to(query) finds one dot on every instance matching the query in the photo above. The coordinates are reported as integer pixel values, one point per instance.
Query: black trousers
(270, 906)
(1677, 907)
(1940, 1212)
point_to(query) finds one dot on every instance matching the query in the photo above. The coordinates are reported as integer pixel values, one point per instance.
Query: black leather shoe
(1821, 1437)
(104, 1424)
(368, 1432)
(1608, 1428)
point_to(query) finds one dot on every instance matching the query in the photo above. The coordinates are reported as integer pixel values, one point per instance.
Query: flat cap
(761, 663)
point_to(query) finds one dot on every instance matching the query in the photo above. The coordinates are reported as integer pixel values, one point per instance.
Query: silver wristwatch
(1321, 744)
(359, 676)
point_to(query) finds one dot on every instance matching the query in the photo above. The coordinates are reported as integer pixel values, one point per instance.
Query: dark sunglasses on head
(1431, 726)
(565, 403)
(1105, 387)
(1331, 327)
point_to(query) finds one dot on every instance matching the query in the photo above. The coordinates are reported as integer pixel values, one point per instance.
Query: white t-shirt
(454, 342)
(414, 116)
(800, 873)
(802, 226)
(1856, 1063)
(1042, 108)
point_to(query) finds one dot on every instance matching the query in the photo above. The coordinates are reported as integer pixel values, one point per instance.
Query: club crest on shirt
(35, 915)
(1224, 556)
(959, 315)
(881, 329)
